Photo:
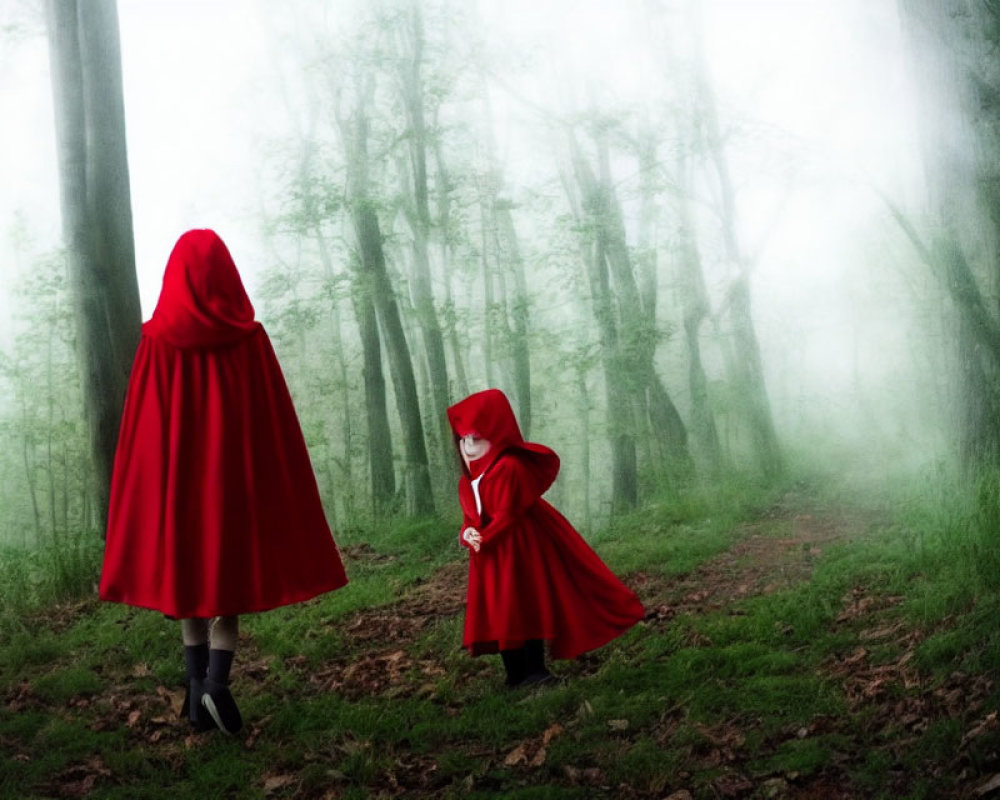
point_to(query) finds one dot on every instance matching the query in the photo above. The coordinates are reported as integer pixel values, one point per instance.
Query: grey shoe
(221, 706)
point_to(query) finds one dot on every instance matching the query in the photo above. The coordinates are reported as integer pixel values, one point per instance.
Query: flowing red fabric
(214, 505)
(534, 577)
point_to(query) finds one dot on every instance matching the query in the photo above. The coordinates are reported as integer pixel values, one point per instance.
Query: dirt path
(376, 659)
(760, 562)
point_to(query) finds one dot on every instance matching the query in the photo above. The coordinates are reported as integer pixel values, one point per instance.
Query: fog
(814, 98)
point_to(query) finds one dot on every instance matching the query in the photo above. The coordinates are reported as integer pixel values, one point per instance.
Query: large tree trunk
(953, 46)
(96, 213)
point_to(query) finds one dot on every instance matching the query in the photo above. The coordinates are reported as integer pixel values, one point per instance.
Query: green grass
(749, 688)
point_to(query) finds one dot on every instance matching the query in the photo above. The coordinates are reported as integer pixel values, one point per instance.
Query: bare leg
(225, 633)
(194, 631)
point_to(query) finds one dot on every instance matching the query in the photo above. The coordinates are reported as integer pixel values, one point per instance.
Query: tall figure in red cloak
(214, 507)
(532, 577)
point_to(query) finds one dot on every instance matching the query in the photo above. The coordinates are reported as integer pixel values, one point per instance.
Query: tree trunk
(380, 466)
(509, 257)
(641, 406)
(419, 496)
(748, 377)
(583, 409)
(694, 299)
(447, 258)
(381, 472)
(420, 223)
(374, 279)
(953, 48)
(617, 381)
(511, 310)
(489, 305)
(96, 214)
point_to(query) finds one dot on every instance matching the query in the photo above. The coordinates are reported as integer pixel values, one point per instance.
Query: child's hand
(473, 537)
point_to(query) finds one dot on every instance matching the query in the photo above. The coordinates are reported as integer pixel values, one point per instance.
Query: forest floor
(785, 665)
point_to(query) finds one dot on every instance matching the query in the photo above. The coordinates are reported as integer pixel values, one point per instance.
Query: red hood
(202, 302)
(488, 414)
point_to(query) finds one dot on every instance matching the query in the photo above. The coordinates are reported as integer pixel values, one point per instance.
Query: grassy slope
(795, 648)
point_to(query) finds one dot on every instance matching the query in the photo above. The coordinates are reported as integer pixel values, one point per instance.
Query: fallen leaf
(516, 756)
(618, 724)
(990, 786)
(551, 733)
(539, 758)
(273, 783)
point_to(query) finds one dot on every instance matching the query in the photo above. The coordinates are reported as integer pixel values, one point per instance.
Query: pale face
(473, 447)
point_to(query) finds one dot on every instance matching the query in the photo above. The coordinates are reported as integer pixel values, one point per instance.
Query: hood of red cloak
(202, 302)
(488, 414)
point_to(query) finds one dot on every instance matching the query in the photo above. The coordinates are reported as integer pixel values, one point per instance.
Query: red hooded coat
(534, 577)
(214, 506)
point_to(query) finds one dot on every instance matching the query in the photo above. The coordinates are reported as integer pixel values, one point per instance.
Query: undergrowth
(738, 694)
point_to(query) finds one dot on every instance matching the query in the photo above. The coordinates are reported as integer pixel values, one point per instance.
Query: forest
(737, 263)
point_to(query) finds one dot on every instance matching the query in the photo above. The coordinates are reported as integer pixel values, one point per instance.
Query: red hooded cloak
(214, 506)
(534, 577)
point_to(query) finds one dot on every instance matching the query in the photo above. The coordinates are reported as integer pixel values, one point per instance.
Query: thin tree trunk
(416, 469)
(419, 496)
(447, 258)
(347, 426)
(420, 224)
(617, 381)
(748, 375)
(381, 471)
(694, 299)
(509, 254)
(489, 304)
(516, 313)
(583, 409)
(49, 435)
(31, 480)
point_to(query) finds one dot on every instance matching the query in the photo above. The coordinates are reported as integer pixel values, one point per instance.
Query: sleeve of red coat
(509, 489)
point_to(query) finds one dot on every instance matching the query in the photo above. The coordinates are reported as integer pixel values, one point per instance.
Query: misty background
(232, 123)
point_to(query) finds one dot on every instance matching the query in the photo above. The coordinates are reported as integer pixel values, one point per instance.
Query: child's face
(473, 447)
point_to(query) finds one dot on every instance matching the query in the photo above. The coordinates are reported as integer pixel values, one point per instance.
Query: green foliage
(46, 575)
(751, 678)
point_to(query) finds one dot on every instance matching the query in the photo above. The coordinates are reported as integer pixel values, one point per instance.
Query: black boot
(217, 699)
(196, 661)
(534, 660)
(514, 663)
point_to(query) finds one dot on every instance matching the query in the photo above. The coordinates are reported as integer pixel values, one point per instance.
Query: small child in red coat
(532, 577)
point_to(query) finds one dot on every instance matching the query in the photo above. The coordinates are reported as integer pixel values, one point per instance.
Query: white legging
(222, 633)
